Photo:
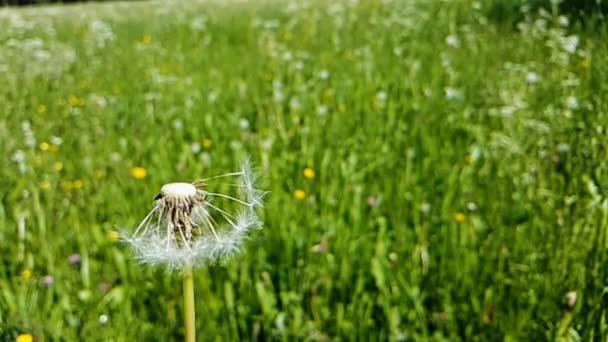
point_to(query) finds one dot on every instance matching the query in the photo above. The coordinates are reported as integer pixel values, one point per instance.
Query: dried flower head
(185, 227)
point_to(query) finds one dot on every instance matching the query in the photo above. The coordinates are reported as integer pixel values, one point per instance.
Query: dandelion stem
(189, 313)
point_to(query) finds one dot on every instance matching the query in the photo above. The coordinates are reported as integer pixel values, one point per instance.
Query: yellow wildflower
(26, 274)
(342, 107)
(139, 172)
(459, 217)
(585, 64)
(113, 235)
(207, 143)
(45, 146)
(38, 160)
(45, 185)
(77, 184)
(25, 338)
(68, 185)
(146, 40)
(42, 109)
(309, 173)
(75, 101)
(468, 159)
(53, 148)
(100, 173)
(299, 194)
(58, 166)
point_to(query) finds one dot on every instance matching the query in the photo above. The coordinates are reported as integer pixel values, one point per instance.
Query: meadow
(433, 174)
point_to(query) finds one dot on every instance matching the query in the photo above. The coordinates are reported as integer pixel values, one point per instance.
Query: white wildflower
(381, 96)
(570, 44)
(56, 140)
(186, 228)
(453, 93)
(324, 74)
(532, 77)
(19, 159)
(453, 41)
(101, 32)
(322, 110)
(244, 124)
(572, 102)
(195, 148)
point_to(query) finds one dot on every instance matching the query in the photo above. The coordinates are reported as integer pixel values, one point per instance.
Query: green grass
(467, 217)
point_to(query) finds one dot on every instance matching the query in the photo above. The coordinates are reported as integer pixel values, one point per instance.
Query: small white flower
(324, 74)
(198, 24)
(103, 319)
(56, 141)
(453, 93)
(570, 44)
(572, 102)
(322, 110)
(244, 124)
(453, 41)
(563, 147)
(532, 77)
(186, 227)
(212, 96)
(381, 96)
(195, 148)
(294, 104)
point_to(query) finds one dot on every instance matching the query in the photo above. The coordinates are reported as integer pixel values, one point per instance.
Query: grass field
(433, 175)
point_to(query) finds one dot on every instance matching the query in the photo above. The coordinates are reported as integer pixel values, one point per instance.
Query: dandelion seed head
(189, 225)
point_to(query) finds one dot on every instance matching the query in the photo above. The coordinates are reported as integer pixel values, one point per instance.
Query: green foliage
(514, 10)
(460, 169)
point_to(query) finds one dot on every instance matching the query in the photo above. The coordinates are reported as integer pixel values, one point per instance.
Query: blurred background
(437, 170)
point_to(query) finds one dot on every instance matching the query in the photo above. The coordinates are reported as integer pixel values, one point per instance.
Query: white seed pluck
(187, 227)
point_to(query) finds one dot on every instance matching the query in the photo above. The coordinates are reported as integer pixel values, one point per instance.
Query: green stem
(189, 315)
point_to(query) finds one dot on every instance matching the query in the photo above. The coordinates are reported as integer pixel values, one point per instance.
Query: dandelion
(41, 109)
(58, 166)
(207, 143)
(186, 228)
(45, 185)
(309, 173)
(459, 217)
(77, 184)
(44, 146)
(26, 274)
(25, 338)
(113, 235)
(299, 194)
(139, 173)
(75, 102)
(147, 39)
